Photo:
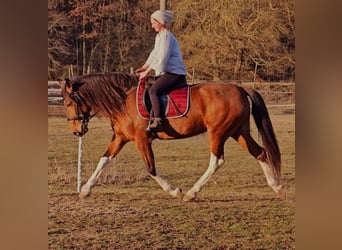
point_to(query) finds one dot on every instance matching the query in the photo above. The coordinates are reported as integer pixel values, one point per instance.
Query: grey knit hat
(165, 17)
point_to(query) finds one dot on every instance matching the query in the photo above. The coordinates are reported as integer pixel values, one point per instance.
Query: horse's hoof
(280, 192)
(178, 194)
(85, 192)
(189, 196)
(83, 195)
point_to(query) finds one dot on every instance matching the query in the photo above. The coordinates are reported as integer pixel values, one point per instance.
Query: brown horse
(222, 109)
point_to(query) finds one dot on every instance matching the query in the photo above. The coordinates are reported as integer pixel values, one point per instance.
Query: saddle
(174, 104)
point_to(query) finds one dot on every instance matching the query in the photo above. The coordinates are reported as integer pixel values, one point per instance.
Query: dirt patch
(128, 210)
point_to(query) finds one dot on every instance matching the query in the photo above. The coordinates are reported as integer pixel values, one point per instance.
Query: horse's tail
(265, 128)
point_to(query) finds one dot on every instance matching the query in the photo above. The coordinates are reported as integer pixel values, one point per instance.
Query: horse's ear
(67, 82)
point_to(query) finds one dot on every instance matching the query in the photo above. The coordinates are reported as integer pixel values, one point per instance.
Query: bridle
(84, 119)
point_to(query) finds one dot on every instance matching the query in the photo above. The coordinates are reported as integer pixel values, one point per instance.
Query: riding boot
(156, 125)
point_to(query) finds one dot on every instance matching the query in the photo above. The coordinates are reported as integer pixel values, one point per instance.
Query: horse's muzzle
(80, 134)
(84, 130)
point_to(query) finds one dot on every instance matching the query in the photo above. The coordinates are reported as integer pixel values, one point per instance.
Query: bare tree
(230, 39)
(226, 39)
(58, 40)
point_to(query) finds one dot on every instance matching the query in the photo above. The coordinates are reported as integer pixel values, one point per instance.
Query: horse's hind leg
(144, 147)
(249, 144)
(113, 149)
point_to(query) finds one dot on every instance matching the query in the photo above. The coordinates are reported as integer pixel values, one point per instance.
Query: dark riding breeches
(163, 85)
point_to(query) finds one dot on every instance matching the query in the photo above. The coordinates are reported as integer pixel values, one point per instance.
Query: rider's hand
(143, 74)
(138, 71)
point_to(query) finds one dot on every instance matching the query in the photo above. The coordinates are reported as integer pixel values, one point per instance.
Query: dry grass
(128, 210)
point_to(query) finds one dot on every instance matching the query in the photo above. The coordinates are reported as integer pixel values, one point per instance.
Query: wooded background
(240, 40)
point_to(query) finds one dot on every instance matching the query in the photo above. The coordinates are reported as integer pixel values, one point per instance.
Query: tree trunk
(163, 4)
(83, 50)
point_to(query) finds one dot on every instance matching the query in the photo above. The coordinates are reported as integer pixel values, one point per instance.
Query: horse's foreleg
(214, 165)
(86, 188)
(174, 191)
(147, 154)
(113, 149)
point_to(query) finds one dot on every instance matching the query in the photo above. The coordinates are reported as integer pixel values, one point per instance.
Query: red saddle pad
(177, 101)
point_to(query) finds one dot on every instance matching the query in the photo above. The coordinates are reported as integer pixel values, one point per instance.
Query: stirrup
(155, 126)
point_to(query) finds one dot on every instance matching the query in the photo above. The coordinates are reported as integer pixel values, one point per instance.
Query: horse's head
(77, 111)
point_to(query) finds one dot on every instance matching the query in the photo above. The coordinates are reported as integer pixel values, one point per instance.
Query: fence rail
(274, 94)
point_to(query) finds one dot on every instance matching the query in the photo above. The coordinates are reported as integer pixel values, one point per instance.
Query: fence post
(255, 71)
(72, 70)
(163, 4)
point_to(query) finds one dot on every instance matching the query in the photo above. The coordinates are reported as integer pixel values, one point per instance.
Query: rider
(167, 62)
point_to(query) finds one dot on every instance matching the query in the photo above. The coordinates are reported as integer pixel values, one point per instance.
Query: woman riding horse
(167, 62)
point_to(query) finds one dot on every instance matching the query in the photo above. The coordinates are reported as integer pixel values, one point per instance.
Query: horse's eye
(67, 103)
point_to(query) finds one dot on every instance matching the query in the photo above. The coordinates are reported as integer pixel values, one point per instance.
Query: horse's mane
(105, 93)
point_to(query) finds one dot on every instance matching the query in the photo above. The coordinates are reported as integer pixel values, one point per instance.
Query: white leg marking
(214, 165)
(86, 188)
(272, 181)
(162, 182)
(176, 192)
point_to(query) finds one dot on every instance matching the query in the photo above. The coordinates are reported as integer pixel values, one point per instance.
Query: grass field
(129, 210)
